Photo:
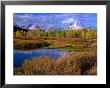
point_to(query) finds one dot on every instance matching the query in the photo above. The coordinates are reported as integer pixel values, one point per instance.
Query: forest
(82, 33)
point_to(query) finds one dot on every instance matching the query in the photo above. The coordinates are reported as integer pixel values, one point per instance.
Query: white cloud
(26, 16)
(70, 20)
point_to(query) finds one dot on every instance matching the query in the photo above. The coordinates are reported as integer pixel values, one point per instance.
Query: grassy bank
(29, 44)
(70, 44)
(81, 63)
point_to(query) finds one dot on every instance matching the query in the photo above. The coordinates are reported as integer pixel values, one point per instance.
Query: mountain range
(72, 26)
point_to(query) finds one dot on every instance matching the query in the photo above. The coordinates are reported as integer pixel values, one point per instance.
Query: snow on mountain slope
(75, 26)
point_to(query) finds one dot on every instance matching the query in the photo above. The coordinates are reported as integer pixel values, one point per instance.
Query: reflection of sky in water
(20, 56)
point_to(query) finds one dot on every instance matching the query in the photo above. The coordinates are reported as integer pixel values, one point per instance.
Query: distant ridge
(76, 25)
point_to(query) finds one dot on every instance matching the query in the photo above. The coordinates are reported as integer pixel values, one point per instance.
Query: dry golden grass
(29, 44)
(79, 63)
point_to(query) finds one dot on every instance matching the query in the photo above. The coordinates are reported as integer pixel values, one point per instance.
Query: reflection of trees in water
(26, 52)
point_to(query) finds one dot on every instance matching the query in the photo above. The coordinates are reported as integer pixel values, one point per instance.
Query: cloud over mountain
(70, 20)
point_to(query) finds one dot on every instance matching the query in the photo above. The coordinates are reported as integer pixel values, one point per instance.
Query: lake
(20, 56)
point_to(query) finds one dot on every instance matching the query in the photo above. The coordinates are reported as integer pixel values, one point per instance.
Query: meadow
(82, 45)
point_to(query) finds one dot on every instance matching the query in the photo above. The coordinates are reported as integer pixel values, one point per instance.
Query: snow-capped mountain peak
(75, 26)
(32, 27)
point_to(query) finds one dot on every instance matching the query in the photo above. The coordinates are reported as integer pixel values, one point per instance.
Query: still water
(20, 56)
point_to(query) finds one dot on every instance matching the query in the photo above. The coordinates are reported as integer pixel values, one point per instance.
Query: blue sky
(58, 20)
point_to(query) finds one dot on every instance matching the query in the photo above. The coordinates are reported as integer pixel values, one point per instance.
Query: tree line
(38, 32)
